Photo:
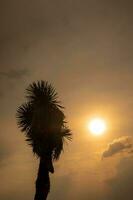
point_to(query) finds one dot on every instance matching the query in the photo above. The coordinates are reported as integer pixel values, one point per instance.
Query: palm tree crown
(42, 120)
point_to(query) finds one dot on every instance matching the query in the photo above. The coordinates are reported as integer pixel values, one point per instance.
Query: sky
(84, 48)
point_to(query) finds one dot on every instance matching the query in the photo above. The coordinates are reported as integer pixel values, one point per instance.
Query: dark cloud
(121, 186)
(117, 146)
(14, 73)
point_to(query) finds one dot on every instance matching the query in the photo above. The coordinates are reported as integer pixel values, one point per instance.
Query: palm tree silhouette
(42, 120)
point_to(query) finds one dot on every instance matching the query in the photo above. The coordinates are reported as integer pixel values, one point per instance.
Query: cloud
(117, 146)
(14, 73)
(9, 77)
(131, 151)
(121, 185)
(1, 94)
(4, 152)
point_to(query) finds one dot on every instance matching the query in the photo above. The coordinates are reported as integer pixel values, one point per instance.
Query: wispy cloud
(14, 73)
(118, 145)
(9, 78)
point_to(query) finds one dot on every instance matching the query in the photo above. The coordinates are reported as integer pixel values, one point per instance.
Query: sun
(97, 126)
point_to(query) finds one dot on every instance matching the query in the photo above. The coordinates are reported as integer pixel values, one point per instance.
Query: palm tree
(42, 120)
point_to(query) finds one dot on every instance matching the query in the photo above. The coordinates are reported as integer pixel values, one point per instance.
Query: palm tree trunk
(43, 181)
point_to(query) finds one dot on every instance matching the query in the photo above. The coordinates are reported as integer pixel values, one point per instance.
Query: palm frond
(42, 92)
(64, 135)
(24, 116)
(43, 121)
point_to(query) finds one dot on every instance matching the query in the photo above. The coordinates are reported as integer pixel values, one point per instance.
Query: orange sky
(84, 48)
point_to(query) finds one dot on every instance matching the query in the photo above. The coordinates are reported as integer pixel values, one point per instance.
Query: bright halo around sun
(97, 126)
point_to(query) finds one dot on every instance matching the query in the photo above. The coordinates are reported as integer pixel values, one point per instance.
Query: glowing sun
(97, 126)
